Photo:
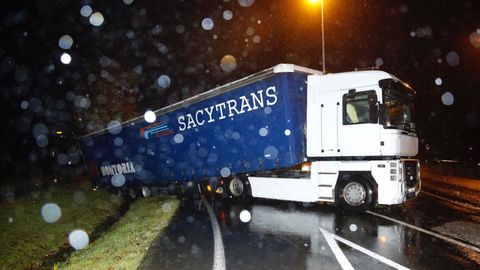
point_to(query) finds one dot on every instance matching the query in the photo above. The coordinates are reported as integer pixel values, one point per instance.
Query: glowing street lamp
(316, 2)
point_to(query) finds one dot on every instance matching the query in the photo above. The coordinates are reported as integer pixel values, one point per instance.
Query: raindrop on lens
(245, 216)
(228, 63)
(453, 59)
(225, 172)
(438, 81)
(166, 207)
(78, 239)
(178, 138)
(118, 141)
(353, 227)
(447, 98)
(51, 212)
(246, 3)
(96, 19)
(163, 81)
(65, 42)
(86, 11)
(65, 58)
(227, 15)
(287, 132)
(263, 132)
(114, 127)
(270, 152)
(118, 180)
(207, 24)
(150, 116)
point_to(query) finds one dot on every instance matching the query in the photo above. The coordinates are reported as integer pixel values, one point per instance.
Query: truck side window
(358, 107)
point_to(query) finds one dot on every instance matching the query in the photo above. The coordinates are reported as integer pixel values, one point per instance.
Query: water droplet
(353, 227)
(65, 58)
(62, 159)
(453, 59)
(65, 42)
(163, 81)
(246, 3)
(263, 132)
(270, 152)
(438, 81)
(267, 110)
(51, 212)
(181, 239)
(227, 15)
(475, 39)
(41, 140)
(166, 207)
(118, 180)
(225, 172)
(379, 62)
(10, 219)
(24, 105)
(207, 24)
(150, 116)
(114, 127)
(96, 19)
(245, 216)
(118, 141)
(128, 2)
(228, 63)
(78, 239)
(178, 138)
(287, 132)
(86, 10)
(447, 98)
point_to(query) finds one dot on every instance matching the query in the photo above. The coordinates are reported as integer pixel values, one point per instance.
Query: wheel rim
(354, 194)
(236, 187)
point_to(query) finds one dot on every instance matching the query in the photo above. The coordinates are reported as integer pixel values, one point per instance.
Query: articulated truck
(284, 133)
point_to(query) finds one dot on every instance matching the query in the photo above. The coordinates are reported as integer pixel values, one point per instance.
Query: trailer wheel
(355, 194)
(236, 187)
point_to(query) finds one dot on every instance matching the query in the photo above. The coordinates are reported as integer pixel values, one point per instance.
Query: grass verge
(27, 238)
(126, 244)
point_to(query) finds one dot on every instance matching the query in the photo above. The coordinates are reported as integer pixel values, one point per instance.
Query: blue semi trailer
(286, 133)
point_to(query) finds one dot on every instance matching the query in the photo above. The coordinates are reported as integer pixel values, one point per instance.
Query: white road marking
(330, 237)
(341, 258)
(469, 206)
(219, 250)
(452, 241)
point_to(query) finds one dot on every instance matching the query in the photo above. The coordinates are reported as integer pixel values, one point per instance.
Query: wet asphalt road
(283, 235)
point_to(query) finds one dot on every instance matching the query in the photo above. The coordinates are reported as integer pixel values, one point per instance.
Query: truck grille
(410, 173)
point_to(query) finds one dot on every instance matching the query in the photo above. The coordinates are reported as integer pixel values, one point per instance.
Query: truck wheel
(355, 194)
(236, 187)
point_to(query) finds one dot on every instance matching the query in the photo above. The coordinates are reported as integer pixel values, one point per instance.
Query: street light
(316, 2)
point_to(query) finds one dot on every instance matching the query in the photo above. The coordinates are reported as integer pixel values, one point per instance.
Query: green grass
(26, 239)
(126, 244)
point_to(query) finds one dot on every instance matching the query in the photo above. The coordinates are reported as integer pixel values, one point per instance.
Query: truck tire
(355, 194)
(236, 187)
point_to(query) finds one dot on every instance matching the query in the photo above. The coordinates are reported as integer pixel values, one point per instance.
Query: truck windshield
(398, 103)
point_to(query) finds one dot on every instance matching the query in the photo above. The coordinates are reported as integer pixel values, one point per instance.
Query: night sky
(131, 55)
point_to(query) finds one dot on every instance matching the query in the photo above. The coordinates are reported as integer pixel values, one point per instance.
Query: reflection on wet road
(282, 235)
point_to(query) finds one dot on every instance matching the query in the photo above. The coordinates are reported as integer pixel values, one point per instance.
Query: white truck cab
(361, 142)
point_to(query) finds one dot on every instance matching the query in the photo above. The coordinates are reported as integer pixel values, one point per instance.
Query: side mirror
(374, 109)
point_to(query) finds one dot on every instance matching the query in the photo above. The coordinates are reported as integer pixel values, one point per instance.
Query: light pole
(315, 2)
(323, 40)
